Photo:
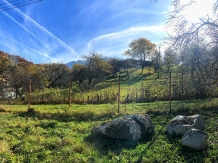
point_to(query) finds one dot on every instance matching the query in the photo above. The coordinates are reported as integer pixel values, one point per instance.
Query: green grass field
(52, 133)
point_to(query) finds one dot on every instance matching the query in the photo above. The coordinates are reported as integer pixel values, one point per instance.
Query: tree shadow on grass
(191, 155)
(32, 113)
(67, 116)
(105, 144)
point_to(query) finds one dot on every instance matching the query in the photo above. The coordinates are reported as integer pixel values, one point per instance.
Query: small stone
(195, 139)
(181, 124)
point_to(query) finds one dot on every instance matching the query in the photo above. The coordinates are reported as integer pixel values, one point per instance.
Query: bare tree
(182, 31)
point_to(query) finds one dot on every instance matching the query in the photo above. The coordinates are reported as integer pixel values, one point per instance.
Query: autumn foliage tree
(140, 49)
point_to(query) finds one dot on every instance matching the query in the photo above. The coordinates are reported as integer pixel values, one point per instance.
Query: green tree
(4, 66)
(140, 49)
(170, 58)
(115, 66)
(96, 66)
(17, 76)
(56, 74)
(79, 73)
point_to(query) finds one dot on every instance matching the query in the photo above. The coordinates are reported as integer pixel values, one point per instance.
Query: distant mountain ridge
(70, 64)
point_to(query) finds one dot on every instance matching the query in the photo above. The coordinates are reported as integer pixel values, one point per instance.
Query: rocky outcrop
(131, 127)
(195, 139)
(181, 124)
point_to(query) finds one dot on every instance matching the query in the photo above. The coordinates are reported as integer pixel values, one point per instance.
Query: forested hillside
(192, 75)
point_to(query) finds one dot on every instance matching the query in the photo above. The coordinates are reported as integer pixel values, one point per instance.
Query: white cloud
(116, 43)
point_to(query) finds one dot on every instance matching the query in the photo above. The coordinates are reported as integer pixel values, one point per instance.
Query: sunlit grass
(52, 133)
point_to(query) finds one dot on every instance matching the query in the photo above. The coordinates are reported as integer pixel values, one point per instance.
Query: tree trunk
(90, 81)
(17, 92)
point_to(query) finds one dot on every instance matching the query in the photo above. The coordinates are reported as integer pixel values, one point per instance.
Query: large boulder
(181, 124)
(195, 139)
(131, 127)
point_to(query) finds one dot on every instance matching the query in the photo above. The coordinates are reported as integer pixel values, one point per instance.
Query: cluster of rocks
(140, 127)
(192, 128)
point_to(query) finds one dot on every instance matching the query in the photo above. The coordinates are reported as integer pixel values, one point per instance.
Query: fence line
(183, 86)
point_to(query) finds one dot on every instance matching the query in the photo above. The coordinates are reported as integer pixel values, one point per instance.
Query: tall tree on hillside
(34, 72)
(79, 73)
(17, 76)
(170, 58)
(115, 66)
(4, 66)
(140, 49)
(56, 74)
(156, 60)
(96, 66)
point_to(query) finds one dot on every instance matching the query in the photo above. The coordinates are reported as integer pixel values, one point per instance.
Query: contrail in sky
(36, 51)
(31, 33)
(43, 29)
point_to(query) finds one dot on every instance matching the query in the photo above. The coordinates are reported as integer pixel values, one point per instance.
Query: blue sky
(63, 31)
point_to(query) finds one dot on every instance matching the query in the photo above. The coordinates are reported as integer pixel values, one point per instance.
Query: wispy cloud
(107, 27)
(26, 17)
(27, 47)
(116, 43)
(133, 31)
(6, 14)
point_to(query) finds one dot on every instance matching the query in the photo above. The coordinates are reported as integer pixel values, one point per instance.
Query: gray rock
(146, 125)
(181, 124)
(195, 139)
(131, 127)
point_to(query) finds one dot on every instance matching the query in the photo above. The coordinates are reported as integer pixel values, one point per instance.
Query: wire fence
(164, 86)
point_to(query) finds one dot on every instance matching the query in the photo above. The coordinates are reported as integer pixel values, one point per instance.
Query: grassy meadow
(56, 133)
(53, 133)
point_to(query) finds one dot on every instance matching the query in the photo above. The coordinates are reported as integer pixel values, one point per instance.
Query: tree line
(16, 72)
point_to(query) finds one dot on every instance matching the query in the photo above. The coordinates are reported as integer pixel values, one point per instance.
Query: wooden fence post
(170, 90)
(182, 83)
(147, 95)
(29, 94)
(118, 111)
(69, 96)
(136, 98)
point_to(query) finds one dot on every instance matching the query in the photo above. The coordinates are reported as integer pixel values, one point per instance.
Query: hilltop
(13, 58)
